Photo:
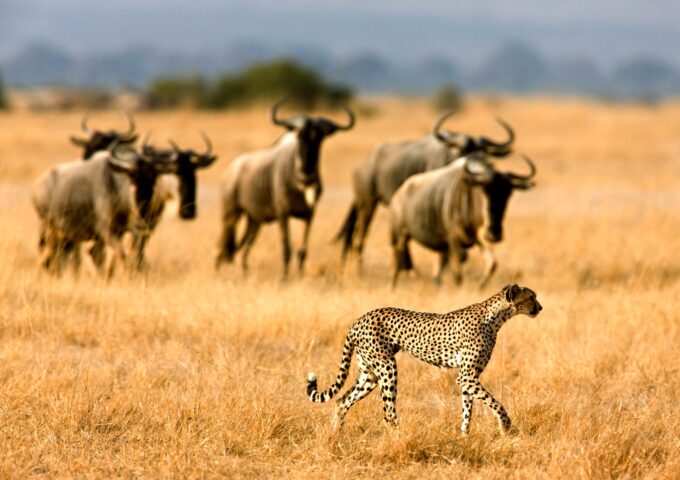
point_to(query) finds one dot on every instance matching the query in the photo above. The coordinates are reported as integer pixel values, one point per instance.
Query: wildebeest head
(498, 187)
(467, 144)
(143, 170)
(310, 132)
(97, 140)
(187, 161)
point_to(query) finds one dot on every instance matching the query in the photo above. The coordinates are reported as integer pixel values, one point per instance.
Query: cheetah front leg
(467, 413)
(473, 389)
(387, 381)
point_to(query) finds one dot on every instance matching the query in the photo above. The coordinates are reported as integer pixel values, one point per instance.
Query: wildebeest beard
(145, 180)
(310, 138)
(498, 193)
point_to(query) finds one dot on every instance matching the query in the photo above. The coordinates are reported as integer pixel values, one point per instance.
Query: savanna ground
(188, 373)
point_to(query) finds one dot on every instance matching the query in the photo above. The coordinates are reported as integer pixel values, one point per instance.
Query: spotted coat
(463, 339)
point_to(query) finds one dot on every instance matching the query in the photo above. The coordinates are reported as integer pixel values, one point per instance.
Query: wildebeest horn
(350, 124)
(145, 140)
(453, 140)
(478, 178)
(174, 146)
(278, 121)
(83, 125)
(438, 124)
(523, 180)
(208, 144)
(204, 159)
(119, 164)
(131, 126)
(498, 147)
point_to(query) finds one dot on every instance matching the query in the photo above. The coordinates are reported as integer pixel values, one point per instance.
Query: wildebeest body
(451, 209)
(390, 164)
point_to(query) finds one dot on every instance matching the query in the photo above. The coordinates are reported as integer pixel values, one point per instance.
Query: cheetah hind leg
(364, 384)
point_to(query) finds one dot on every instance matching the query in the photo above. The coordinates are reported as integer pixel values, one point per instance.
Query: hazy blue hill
(134, 66)
(644, 76)
(514, 67)
(40, 64)
(578, 75)
(433, 73)
(368, 72)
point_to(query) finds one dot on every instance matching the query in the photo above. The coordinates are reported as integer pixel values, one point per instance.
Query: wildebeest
(96, 140)
(186, 162)
(275, 184)
(451, 209)
(100, 199)
(390, 164)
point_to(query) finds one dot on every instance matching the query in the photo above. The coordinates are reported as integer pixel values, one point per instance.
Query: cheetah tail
(320, 397)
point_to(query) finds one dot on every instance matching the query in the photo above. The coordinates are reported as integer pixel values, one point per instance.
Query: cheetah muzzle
(463, 339)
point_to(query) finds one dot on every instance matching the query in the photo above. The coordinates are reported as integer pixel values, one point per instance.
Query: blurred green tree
(270, 81)
(448, 98)
(3, 99)
(174, 92)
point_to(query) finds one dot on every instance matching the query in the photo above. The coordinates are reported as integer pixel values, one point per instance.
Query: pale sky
(463, 30)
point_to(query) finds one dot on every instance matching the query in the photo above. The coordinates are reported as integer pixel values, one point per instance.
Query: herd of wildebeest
(443, 191)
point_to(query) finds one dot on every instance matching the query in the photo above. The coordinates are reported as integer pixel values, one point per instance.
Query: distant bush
(302, 86)
(448, 98)
(3, 100)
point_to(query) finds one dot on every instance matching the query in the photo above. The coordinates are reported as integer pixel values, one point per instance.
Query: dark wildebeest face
(143, 170)
(97, 140)
(497, 187)
(187, 162)
(310, 133)
(462, 144)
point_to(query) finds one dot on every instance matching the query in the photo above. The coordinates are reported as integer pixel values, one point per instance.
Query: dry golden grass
(188, 373)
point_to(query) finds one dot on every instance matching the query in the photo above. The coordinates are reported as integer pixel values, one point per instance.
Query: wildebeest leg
(227, 246)
(302, 253)
(75, 253)
(285, 239)
(364, 218)
(346, 233)
(54, 255)
(399, 245)
(114, 248)
(97, 253)
(489, 261)
(248, 241)
(443, 263)
(42, 241)
(458, 255)
(139, 240)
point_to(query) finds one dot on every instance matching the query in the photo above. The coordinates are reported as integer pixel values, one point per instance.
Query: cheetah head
(523, 299)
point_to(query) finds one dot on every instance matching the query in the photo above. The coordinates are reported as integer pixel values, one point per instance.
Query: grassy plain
(188, 373)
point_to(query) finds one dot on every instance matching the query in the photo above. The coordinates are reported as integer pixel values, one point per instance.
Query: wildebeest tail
(320, 397)
(346, 231)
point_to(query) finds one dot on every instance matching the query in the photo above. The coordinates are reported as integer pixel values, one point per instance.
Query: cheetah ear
(512, 291)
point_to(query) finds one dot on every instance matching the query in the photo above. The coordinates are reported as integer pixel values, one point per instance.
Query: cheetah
(463, 339)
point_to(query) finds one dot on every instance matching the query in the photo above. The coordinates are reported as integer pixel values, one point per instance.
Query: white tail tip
(311, 377)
